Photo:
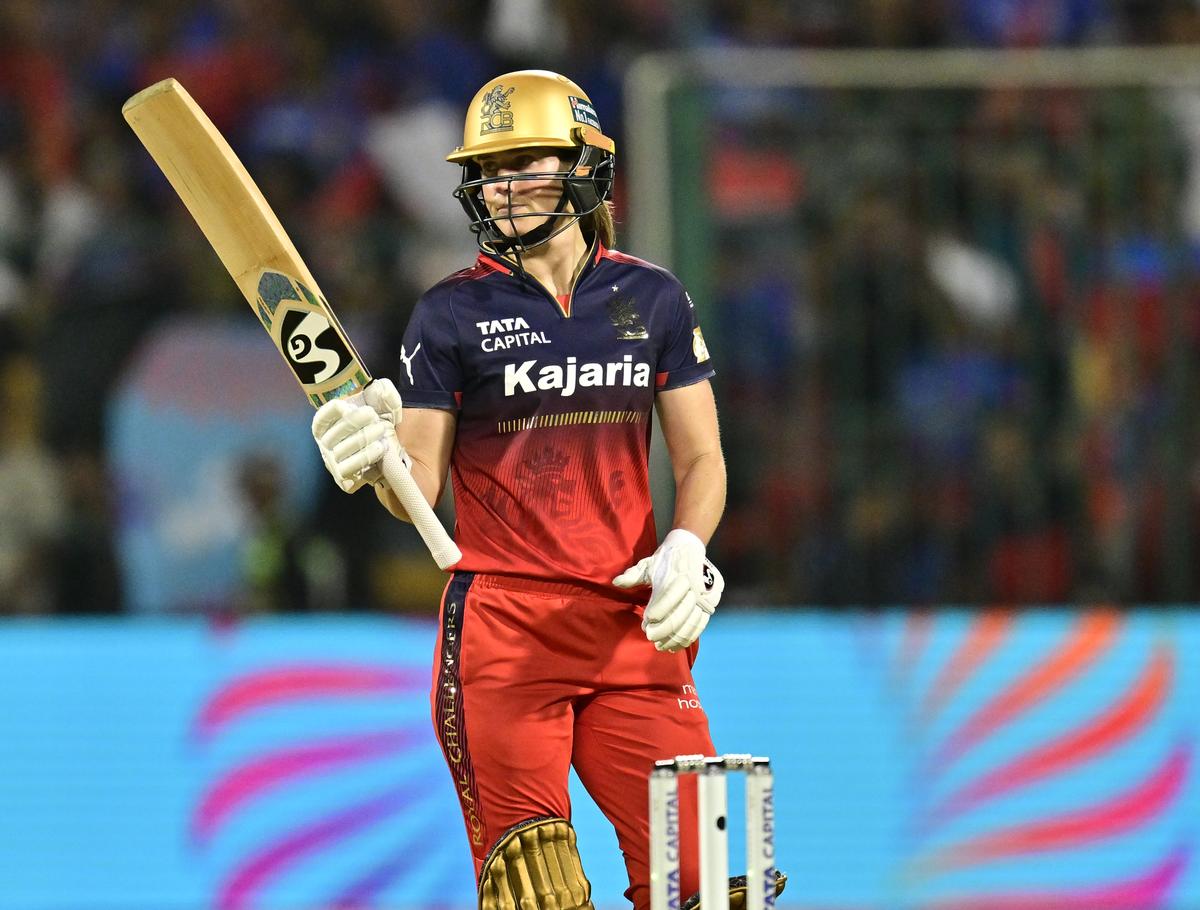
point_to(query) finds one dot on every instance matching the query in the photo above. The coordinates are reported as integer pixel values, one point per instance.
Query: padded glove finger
(373, 432)
(689, 632)
(636, 575)
(666, 599)
(327, 415)
(657, 629)
(383, 396)
(358, 463)
(357, 418)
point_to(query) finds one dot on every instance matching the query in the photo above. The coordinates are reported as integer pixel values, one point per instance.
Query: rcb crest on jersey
(625, 319)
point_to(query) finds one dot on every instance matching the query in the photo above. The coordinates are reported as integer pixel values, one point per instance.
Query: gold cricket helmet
(534, 109)
(529, 109)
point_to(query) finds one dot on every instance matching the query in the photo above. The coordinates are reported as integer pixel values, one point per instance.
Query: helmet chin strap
(540, 234)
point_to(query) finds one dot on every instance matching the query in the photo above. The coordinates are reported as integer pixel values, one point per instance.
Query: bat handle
(445, 551)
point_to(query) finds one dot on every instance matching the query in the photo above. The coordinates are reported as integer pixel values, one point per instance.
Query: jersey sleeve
(430, 367)
(684, 359)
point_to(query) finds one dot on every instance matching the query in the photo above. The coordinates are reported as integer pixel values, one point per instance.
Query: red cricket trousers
(531, 678)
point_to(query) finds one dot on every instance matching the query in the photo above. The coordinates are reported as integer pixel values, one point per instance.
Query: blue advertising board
(950, 759)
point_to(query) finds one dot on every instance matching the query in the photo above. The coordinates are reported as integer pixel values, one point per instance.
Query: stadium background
(945, 253)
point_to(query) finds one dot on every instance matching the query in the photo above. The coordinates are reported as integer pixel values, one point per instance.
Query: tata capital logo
(673, 886)
(767, 834)
(510, 332)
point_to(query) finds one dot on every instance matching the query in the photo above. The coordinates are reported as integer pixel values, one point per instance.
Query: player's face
(518, 205)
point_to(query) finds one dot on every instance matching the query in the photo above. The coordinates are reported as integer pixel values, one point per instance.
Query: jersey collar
(495, 263)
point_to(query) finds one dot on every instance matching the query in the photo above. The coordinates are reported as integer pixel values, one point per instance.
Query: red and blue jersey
(554, 400)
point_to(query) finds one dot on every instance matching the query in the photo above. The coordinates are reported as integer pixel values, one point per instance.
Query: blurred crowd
(977, 309)
(955, 343)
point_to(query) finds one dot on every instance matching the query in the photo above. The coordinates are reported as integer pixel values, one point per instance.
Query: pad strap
(737, 892)
(535, 864)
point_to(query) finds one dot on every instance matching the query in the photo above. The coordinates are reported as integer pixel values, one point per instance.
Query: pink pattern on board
(918, 625)
(984, 638)
(1148, 892)
(361, 894)
(287, 684)
(1128, 810)
(1094, 633)
(1098, 735)
(256, 873)
(253, 779)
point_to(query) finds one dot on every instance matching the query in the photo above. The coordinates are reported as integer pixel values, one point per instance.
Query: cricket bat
(250, 241)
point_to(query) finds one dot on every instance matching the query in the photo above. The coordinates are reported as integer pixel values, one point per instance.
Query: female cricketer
(566, 636)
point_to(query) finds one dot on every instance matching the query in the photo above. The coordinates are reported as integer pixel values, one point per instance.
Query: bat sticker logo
(408, 359)
(312, 346)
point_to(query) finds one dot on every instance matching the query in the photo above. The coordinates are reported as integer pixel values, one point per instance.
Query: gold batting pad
(535, 866)
(737, 892)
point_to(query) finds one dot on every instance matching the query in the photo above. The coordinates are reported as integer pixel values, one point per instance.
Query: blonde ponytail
(600, 223)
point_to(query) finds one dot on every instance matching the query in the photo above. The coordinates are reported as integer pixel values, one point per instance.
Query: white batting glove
(353, 433)
(686, 588)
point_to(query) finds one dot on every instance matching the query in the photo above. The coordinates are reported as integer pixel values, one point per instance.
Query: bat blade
(253, 246)
(248, 238)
